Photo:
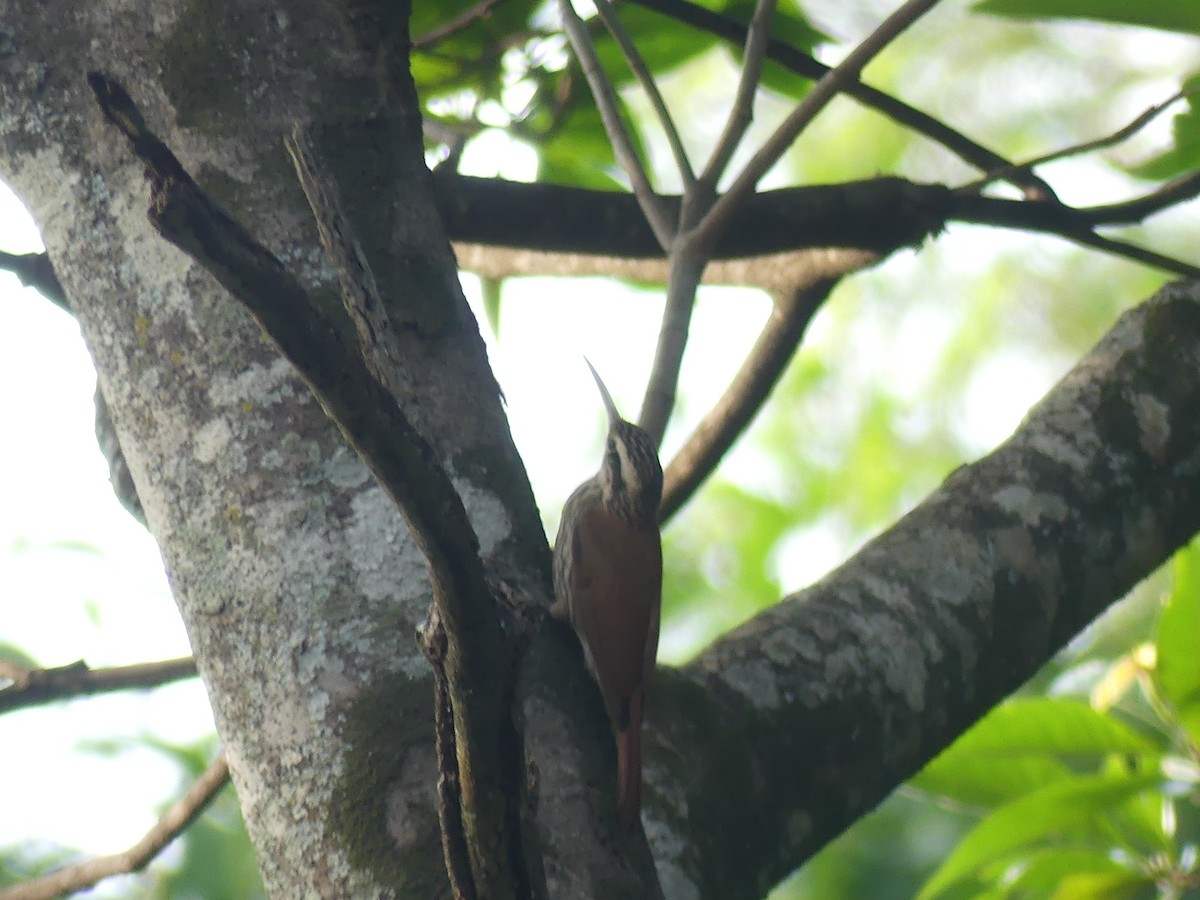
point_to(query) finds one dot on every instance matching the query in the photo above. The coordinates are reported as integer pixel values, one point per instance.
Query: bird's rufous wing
(617, 582)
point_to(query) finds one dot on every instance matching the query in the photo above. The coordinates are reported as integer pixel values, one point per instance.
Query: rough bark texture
(823, 704)
(301, 589)
(299, 585)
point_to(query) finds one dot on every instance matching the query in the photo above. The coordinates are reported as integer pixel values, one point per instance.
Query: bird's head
(630, 475)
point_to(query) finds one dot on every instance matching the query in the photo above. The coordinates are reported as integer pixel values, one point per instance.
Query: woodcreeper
(608, 575)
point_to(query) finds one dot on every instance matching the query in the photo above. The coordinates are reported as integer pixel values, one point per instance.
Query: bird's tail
(629, 764)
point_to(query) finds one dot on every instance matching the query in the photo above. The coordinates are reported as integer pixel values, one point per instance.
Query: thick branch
(881, 214)
(878, 214)
(31, 687)
(548, 223)
(807, 716)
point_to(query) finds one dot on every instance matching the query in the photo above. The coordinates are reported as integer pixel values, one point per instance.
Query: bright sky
(79, 579)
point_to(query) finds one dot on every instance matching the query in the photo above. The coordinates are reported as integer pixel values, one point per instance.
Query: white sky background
(79, 579)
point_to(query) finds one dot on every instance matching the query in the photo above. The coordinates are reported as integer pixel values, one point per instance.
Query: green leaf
(1048, 725)
(1184, 153)
(1104, 886)
(1178, 666)
(979, 781)
(491, 289)
(1029, 819)
(579, 152)
(1165, 15)
(1061, 871)
(1022, 745)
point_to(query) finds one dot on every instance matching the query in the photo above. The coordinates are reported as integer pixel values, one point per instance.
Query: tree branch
(686, 264)
(1128, 212)
(1134, 253)
(1077, 224)
(360, 293)
(875, 214)
(804, 718)
(84, 875)
(556, 222)
(1003, 173)
(34, 270)
(741, 114)
(830, 85)
(638, 66)
(806, 66)
(31, 687)
(618, 135)
(757, 377)
(881, 214)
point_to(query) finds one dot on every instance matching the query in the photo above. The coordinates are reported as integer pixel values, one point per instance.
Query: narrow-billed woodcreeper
(608, 575)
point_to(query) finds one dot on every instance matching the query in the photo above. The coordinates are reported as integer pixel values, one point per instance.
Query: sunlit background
(925, 362)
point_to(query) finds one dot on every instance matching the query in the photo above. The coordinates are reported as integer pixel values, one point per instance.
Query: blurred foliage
(1184, 153)
(1091, 791)
(211, 859)
(1169, 15)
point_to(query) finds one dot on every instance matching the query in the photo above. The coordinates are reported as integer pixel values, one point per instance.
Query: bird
(608, 583)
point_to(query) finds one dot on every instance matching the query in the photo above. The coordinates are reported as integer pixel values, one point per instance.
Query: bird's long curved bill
(609, 406)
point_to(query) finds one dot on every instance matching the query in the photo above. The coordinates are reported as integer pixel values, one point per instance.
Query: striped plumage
(608, 574)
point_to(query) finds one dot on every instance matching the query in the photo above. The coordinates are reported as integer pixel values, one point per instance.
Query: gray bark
(301, 589)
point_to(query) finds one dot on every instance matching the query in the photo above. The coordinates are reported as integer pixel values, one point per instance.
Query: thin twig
(1077, 224)
(86, 874)
(652, 205)
(1132, 252)
(1003, 173)
(31, 687)
(754, 381)
(449, 785)
(458, 23)
(806, 66)
(816, 100)
(741, 114)
(1176, 191)
(637, 66)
